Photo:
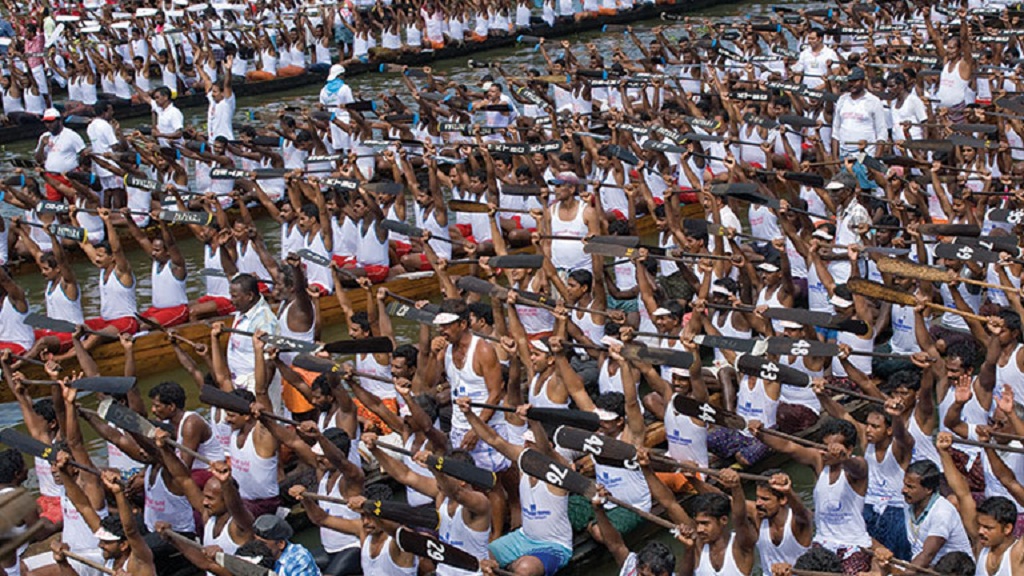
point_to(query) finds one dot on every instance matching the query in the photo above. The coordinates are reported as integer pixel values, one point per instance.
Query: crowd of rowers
(928, 474)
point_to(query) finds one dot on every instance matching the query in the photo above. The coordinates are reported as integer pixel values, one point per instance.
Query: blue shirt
(295, 560)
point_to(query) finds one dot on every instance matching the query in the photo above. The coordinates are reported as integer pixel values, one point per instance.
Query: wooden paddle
(992, 445)
(543, 467)
(719, 417)
(479, 207)
(617, 251)
(870, 289)
(61, 230)
(413, 232)
(226, 401)
(29, 445)
(46, 323)
(127, 419)
(236, 565)
(552, 416)
(88, 562)
(104, 384)
(510, 261)
(411, 312)
(279, 342)
(322, 498)
(483, 479)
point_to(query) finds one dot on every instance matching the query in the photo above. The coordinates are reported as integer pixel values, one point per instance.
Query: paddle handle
(90, 563)
(190, 452)
(237, 331)
(853, 394)
(181, 539)
(492, 407)
(969, 315)
(39, 382)
(1010, 436)
(967, 442)
(984, 284)
(653, 518)
(27, 360)
(322, 498)
(794, 439)
(665, 459)
(906, 566)
(393, 448)
(175, 336)
(368, 376)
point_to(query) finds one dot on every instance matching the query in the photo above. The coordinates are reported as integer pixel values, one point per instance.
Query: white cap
(336, 70)
(840, 302)
(719, 289)
(540, 346)
(790, 324)
(835, 185)
(767, 267)
(606, 415)
(445, 318)
(610, 341)
(106, 535)
(51, 114)
(661, 312)
(822, 233)
(681, 372)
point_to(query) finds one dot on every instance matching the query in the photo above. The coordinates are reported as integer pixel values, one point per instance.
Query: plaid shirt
(295, 560)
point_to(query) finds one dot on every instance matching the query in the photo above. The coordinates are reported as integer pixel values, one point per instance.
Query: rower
(117, 288)
(169, 301)
(314, 225)
(786, 526)
(296, 318)
(191, 430)
(570, 217)
(372, 257)
(253, 451)
(15, 334)
(934, 528)
(216, 300)
(713, 549)
(363, 325)
(431, 216)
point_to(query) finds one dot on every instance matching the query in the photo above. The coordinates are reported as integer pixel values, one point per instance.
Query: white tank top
(256, 475)
(368, 363)
(817, 294)
(249, 261)
(12, 325)
(116, 299)
(686, 440)
(215, 285)
(545, 515)
(1010, 374)
(315, 273)
(330, 420)
(429, 223)
(754, 403)
(904, 339)
(727, 330)
(395, 236)
(535, 320)
(952, 87)
(224, 539)
(346, 236)
(568, 254)
(539, 398)
(981, 569)
(857, 344)
(95, 227)
(585, 322)
(885, 480)
(11, 104)
(34, 103)
(291, 239)
(413, 497)
(163, 506)
(838, 520)
(168, 291)
(608, 382)
(44, 475)
(763, 299)
(465, 382)
(729, 567)
(332, 540)
(453, 530)
(786, 551)
(210, 448)
(119, 460)
(60, 307)
(383, 564)
(627, 484)
(77, 534)
(924, 444)
(307, 335)
(800, 394)
(371, 251)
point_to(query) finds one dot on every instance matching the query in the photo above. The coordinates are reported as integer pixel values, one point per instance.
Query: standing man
(252, 314)
(816, 60)
(57, 151)
(103, 132)
(168, 121)
(569, 216)
(859, 117)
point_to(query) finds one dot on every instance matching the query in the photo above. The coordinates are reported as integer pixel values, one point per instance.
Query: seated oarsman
(169, 273)
(190, 429)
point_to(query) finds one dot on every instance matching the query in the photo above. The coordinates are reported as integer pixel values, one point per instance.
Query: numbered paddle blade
(194, 218)
(310, 256)
(428, 547)
(286, 343)
(401, 228)
(124, 417)
(375, 345)
(949, 230)
(226, 401)
(543, 467)
(966, 253)
(707, 413)
(104, 384)
(1004, 215)
(599, 445)
(744, 345)
(70, 232)
(771, 371)
(402, 513)
(483, 479)
(410, 312)
(27, 444)
(557, 416)
(780, 346)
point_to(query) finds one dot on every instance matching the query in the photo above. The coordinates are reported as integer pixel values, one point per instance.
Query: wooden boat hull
(153, 354)
(9, 134)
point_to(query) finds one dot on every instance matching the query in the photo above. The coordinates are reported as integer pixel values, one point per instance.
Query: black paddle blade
(401, 228)
(511, 261)
(949, 230)
(427, 547)
(476, 285)
(123, 417)
(805, 178)
(309, 255)
(601, 446)
(557, 416)
(611, 250)
(483, 479)
(403, 513)
(543, 467)
(225, 400)
(706, 412)
(772, 371)
(286, 343)
(966, 253)
(628, 241)
(376, 345)
(778, 345)
(46, 323)
(410, 312)
(194, 218)
(27, 444)
(823, 319)
(314, 363)
(104, 384)
(658, 356)
(745, 345)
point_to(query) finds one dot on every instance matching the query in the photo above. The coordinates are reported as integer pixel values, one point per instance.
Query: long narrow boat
(153, 354)
(9, 134)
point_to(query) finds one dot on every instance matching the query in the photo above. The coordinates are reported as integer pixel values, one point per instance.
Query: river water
(370, 87)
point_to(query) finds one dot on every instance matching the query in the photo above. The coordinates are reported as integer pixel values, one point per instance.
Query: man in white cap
(859, 117)
(58, 151)
(852, 221)
(334, 96)
(570, 217)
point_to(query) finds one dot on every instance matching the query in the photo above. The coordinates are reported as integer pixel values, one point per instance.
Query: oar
(322, 498)
(711, 415)
(532, 299)
(32, 447)
(87, 562)
(61, 230)
(631, 241)
(748, 191)
(552, 416)
(236, 565)
(27, 360)
(882, 292)
(280, 342)
(510, 261)
(104, 384)
(413, 231)
(402, 513)
(596, 444)
(479, 207)
(616, 251)
(183, 217)
(216, 397)
(780, 345)
(465, 471)
(904, 565)
(127, 419)
(909, 269)
(410, 312)
(712, 472)
(429, 547)
(54, 325)
(992, 445)
(806, 317)
(543, 467)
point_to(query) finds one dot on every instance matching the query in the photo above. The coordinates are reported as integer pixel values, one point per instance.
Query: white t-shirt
(168, 120)
(857, 119)
(219, 117)
(101, 139)
(815, 66)
(912, 110)
(941, 520)
(61, 150)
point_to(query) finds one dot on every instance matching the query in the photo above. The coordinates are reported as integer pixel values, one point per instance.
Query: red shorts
(224, 305)
(402, 248)
(425, 264)
(124, 324)
(323, 289)
(49, 508)
(14, 348)
(63, 337)
(52, 193)
(168, 316)
(518, 219)
(344, 260)
(467, 232)
(377, 273)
